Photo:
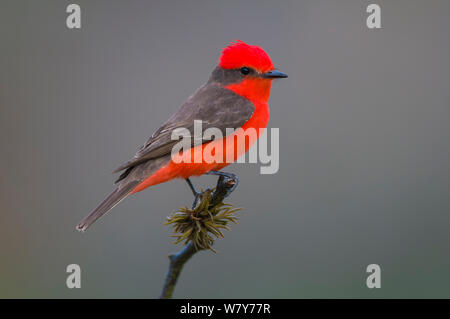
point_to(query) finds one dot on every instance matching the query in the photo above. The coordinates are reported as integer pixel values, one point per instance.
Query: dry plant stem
(177, 262)
(225, 185)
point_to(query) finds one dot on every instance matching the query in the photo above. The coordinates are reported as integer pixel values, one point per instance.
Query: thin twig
(177, 262)
(225, 185)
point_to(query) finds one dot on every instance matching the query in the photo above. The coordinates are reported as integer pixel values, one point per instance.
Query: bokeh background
(364, 122)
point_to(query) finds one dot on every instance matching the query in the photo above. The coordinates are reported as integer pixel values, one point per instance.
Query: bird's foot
(226, 184)
(197, 194)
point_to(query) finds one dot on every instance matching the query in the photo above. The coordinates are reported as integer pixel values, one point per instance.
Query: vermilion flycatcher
(235, 96)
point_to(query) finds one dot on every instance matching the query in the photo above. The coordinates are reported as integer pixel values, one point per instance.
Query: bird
(235, 96)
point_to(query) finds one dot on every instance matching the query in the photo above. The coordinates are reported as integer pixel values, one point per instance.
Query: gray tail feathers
(112, 200)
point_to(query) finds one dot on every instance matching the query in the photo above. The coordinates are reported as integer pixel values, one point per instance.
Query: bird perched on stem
(235, 96)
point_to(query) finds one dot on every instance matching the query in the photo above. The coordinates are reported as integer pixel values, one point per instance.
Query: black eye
(245, 70)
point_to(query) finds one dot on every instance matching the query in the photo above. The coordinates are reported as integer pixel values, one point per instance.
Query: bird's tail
(112, 200)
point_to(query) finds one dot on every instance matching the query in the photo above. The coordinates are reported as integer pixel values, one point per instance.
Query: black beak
(274, 74)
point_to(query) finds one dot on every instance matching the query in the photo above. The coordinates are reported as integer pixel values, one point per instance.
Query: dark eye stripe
(245, 70)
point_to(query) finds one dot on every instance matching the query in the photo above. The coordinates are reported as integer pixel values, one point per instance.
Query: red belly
(198, 166)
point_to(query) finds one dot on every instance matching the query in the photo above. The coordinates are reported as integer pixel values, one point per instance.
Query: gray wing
(214, 105)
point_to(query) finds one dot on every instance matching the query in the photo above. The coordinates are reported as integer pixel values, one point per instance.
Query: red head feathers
(239, 54)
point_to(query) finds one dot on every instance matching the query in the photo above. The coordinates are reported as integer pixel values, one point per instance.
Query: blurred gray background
(364, 122)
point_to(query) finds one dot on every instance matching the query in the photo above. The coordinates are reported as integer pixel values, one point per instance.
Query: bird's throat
(254, 89)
